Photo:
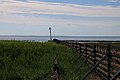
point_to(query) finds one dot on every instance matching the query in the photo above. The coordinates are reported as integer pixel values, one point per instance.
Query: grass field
(34, 61)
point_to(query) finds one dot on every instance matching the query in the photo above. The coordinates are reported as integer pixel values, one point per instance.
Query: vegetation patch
(34, 61)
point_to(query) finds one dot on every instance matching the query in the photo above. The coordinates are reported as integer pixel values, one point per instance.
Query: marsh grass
(34, 61)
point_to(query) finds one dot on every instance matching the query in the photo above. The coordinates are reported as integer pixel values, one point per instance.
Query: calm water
(46, 38)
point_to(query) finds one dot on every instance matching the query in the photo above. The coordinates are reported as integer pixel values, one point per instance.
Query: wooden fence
(103, 58)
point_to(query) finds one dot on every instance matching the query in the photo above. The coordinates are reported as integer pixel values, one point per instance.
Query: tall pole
(50, 34)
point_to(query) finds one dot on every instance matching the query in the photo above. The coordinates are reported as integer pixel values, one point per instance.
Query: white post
(50, 34)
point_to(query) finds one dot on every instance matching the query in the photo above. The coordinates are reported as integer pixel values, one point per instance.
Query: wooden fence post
(94, 51)
(80, 48)
(85, 49)
(76, 46)
(109, 59)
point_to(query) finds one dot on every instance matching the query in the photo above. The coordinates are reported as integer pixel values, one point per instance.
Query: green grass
(34, 61)
(117, 44)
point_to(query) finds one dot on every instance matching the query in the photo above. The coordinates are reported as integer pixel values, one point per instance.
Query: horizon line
(62, 35)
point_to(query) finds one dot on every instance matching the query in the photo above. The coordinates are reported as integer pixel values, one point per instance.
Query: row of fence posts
(108, 55)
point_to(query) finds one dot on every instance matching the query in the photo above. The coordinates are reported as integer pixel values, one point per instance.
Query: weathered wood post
(55, 70)
(109, 59)
(80, 48)
(76, 45)
(85, 49)
(94, 51)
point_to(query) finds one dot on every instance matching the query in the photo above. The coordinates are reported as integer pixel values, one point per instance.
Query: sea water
(46, 38)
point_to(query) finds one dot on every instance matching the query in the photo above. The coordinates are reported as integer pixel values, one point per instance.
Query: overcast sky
(66, 17)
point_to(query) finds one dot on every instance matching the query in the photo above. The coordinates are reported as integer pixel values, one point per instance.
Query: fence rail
(104, 58)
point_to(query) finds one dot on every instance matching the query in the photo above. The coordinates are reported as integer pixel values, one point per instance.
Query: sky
(65, 17)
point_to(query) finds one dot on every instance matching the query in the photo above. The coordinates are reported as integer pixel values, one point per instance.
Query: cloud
(10, 11)
(51, 21)
(113, 0)
(37, 7)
